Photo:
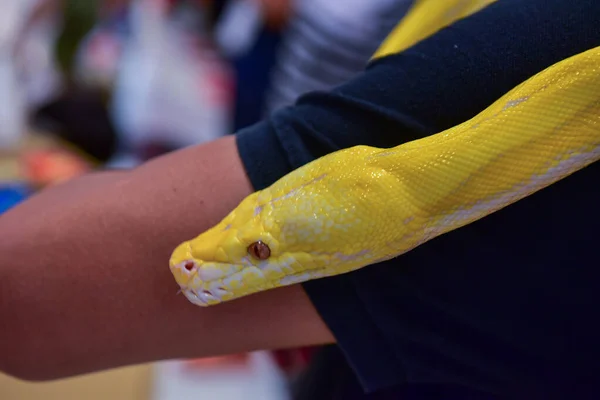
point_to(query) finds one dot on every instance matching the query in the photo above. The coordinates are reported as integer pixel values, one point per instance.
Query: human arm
(393, 320)
(84, 277)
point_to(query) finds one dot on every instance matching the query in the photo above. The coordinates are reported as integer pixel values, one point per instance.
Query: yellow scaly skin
(362, 205)
(425, 18)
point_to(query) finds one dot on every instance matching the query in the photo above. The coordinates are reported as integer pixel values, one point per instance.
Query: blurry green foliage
(79, 18)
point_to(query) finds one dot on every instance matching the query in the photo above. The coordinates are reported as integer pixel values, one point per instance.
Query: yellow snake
(363, 205)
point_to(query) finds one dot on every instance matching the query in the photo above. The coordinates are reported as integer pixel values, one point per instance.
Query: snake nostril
(189, 265)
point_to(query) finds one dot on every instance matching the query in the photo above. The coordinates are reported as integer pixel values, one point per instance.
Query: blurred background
(111, 83)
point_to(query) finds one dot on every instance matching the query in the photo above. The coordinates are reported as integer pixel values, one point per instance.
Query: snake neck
(536, 135)
(364, 205)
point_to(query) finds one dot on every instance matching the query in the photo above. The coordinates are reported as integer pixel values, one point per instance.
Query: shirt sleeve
(504, 303)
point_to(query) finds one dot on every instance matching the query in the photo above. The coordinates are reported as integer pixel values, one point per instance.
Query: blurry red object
(236, 360)
(292, 361)
(49, 167)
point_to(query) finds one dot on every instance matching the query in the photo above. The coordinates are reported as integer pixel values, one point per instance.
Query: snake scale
(363, 205)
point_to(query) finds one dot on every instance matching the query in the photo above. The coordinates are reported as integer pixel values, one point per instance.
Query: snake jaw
(205, 283)
(203, 298)
(202, 292)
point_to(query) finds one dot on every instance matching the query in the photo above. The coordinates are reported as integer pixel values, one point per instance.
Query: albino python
(363, 205)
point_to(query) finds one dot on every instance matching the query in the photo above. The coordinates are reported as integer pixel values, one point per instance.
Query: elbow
(17, 371)
(23, 372)
(16, 359)
(20, 339)
(28, 347)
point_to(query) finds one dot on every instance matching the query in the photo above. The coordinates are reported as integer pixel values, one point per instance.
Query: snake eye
(189, 265)
(259, 250)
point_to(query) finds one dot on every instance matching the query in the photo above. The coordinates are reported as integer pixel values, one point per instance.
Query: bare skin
(84, 278)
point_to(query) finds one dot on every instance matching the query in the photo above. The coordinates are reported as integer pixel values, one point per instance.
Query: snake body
(364, 205)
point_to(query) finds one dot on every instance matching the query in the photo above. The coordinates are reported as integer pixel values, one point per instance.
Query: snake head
(302, 227)
(246, 252)
(227, 260)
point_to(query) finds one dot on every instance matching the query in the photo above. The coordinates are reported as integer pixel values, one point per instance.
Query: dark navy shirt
(508, 305)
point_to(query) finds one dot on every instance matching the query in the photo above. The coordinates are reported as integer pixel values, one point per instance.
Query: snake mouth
(198, 291)
(204, 297)
(209, 283)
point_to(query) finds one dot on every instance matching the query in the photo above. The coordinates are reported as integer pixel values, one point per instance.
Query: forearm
(84, 277)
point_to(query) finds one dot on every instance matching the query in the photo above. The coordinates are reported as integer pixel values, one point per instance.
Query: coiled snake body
(363, 205)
